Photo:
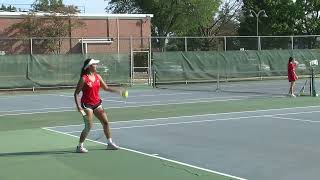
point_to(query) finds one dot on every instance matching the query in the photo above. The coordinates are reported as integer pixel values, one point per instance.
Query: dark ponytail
(290, 59)
(84, 71)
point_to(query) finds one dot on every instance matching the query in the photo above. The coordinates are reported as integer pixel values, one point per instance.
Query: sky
(91, 6)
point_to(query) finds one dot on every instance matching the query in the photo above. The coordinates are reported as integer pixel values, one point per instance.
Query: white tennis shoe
(292, 95)
(81, 149)
(112, 146)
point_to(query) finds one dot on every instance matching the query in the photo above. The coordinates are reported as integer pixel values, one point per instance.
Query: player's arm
(77, 93)
(105, 87)
(291, 68)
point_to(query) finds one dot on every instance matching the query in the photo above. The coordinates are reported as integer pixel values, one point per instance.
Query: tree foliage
(177, 17)
(55, 6)
(223, 22)
(8, 8)
(57, 21)
(308, 16)
(285, 17)
(280, 20)
(185, 18)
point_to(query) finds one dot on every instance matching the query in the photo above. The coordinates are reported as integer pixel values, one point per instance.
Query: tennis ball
(125, 94)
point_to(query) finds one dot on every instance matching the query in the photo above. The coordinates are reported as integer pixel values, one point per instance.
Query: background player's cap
(92, 61)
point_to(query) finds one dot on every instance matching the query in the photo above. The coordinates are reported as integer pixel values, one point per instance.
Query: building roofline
(80, 16)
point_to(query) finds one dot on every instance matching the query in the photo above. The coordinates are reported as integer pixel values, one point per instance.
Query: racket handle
(83, 113)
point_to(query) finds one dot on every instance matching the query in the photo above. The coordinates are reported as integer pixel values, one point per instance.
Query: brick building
(100, 33)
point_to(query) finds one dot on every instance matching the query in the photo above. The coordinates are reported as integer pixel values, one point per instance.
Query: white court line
(108, 99)
(189, 100)
(126, 102)
(20, 96)
(199, 121)
(127, 106)
(214, 114)
(295, 119)
(105, 99)
(156, 156)
(19, 110)
(29, 113)
(144, 95)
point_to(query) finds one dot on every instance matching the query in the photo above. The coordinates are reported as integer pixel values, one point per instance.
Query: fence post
(185, 44)
(149, 61)
(292, 44)
(225, 43)
(31, 46)
(28, 61)
(131, 63)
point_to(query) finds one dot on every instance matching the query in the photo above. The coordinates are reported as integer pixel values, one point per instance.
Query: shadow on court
(36, 153)
(58, 152)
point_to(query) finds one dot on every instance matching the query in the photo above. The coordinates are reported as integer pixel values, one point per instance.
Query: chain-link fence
(231, 43)
(25, 62)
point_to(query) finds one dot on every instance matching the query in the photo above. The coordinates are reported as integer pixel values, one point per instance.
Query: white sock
(80, 144)
(109, 140)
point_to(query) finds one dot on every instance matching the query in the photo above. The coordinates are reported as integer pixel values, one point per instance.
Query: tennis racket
(301, 93)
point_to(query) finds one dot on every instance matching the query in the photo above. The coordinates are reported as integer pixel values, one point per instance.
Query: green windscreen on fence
(13, 71)
(235, 71)
(26, 71)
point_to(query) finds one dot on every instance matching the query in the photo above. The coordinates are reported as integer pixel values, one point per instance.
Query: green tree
(225, 22)
(308, 12)
(55, 6)
(285, 17)
(307, 23)
(171, 17)
(8, 8)
(280, 21)
(49, 28)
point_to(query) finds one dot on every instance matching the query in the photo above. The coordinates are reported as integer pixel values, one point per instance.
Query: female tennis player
(91, 104)
(292, 76)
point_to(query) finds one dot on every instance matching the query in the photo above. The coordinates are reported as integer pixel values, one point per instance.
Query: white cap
(92, 61)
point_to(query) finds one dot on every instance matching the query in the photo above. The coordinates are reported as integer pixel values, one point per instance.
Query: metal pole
(257, 24)
(185, 44)
(225, 43)
(149, 61)
(154, 79)
(292, 45)
(31, 46)
(82, 48)
(131, 63)
(118, 35)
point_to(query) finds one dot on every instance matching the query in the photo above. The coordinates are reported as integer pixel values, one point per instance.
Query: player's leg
(293, 86)
(291, 89)
(102, 116)
(88, 121)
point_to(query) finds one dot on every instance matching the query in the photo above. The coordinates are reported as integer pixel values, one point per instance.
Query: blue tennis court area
(261, 144)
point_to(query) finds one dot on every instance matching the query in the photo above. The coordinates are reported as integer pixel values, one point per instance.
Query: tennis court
(164, 134)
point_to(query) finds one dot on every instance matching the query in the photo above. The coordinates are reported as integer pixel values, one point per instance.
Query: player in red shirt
(90, 103)
(292, 76)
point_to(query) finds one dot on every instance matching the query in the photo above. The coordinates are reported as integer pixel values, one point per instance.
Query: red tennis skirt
(292, 77)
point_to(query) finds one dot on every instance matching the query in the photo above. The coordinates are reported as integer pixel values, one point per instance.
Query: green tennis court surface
(166, 135)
